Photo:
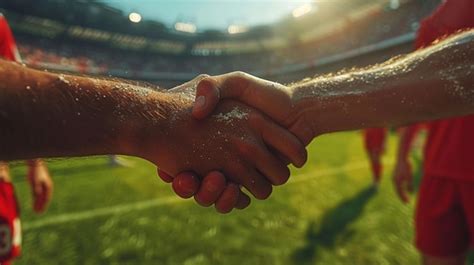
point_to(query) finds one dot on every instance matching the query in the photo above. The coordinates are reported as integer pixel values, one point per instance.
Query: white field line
(136, 206)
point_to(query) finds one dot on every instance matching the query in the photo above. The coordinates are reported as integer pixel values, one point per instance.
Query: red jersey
(10, 230)
(8, 48)
(449, 150)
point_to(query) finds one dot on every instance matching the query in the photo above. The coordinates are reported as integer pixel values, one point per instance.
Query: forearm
(434, 83)
(406, 137)
(44, 114)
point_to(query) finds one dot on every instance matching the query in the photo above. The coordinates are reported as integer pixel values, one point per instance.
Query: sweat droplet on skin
(234, 114)
(63, 79)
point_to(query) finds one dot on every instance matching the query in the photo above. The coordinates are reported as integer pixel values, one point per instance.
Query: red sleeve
(451, 16)
(8, 49)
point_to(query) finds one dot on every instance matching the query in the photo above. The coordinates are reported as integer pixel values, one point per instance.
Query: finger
(211, 90)
(267, 164)
(283, 141)
(48, 192)
(187, 85)
(253, 181)
(228, 199)
(410, 186)
(165, 176)
(37, 188)
(185, 185)
(399, 185)
(211, 188)
(243, 201)
(40, 198)
(38, 206)
(207, 97)
(410, 182)
(271, 167)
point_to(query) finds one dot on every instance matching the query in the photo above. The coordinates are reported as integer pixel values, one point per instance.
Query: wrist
(148, 128)
(326, 105)
(340, 103)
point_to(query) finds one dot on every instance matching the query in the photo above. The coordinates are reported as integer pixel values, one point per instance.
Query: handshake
(241, 131)
(216, 134)
(236, 130)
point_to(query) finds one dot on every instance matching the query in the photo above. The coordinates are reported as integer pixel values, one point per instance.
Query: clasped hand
(241, 131)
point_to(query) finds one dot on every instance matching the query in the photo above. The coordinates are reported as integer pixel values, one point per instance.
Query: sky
(210, 14)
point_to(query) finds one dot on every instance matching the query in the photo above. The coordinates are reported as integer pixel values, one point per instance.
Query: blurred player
(374, 142)
(445, 210)
(38, 176)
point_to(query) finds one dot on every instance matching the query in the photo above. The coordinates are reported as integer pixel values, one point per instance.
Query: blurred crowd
(372, 28)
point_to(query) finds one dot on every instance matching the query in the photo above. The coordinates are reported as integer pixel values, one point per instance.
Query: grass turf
(327, 214)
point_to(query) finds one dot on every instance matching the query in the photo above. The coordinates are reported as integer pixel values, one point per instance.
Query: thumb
(207, 97)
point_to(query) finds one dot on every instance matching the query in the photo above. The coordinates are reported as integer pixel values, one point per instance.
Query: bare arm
(49, 115)
(44, 114)
(428, 84)
(433, 83)
(403, 175)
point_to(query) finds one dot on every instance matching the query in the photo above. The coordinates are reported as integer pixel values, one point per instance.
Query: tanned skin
(429, 84)
(403, 174)
(88, 116)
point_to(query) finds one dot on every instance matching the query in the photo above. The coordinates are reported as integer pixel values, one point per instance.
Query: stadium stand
(316, 39)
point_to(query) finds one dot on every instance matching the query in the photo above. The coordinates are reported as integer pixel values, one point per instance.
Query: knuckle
(239, 74)
(240, 78)
(202, 76)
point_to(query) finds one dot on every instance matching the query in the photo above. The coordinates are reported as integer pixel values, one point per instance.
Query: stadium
(329, 212)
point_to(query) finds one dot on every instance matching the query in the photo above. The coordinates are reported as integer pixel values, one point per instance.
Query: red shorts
(10, 230)
(444, 217)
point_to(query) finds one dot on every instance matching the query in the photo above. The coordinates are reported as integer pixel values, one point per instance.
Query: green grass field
(327, 214)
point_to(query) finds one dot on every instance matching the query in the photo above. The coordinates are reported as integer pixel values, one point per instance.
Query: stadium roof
(164, 23)
(210, 14)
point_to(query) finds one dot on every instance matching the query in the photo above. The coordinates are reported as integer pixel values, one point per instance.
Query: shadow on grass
(470, 257)
(333, 227)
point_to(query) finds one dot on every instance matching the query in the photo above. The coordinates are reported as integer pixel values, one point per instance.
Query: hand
(376, 166)
(234, 141)
(272, 99)
(403, 179)
(213, 189)
(276, 102)
(41, 185)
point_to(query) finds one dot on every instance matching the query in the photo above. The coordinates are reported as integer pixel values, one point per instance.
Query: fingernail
(200, 102)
